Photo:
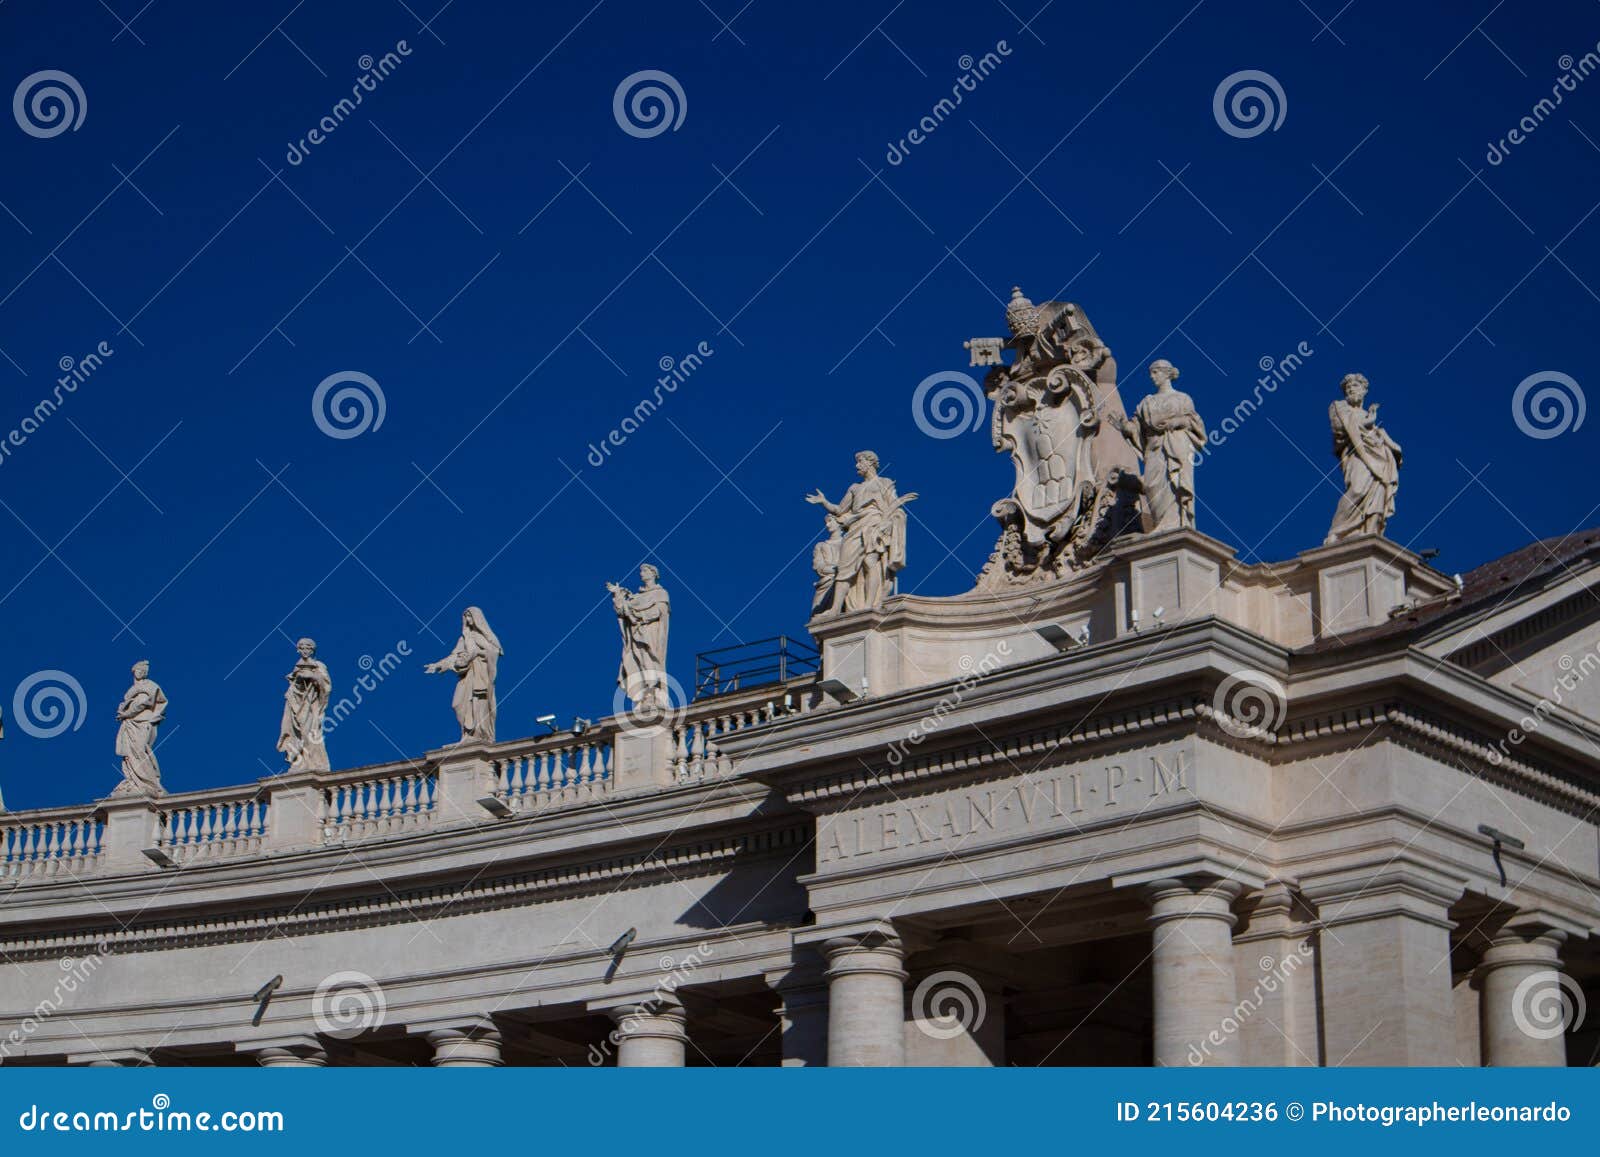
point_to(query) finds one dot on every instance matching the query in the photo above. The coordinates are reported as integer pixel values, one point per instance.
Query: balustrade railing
(697, 750)
(41, 845)
(211, 826)
(378, 802)
(553, 770)
(529, 775)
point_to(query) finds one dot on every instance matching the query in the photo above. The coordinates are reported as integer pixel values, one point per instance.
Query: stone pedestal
(1192, 971)
(1524, 1011)
(465, 1048)
(132, 824)
(866, 1000)
(650, 1036)
(642, 758)
(294, 812)
(465, 777)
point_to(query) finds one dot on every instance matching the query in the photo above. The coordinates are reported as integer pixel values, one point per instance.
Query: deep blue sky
(827, 281)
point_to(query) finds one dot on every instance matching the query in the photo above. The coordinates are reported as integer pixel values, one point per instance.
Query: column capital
(1192, 897)
(468, 1046)
(113, 1059)
(865, 953)
(308, 1054)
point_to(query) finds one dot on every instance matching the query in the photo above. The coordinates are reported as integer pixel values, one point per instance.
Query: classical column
(866, 1000)
(465, 1048)
(649, 1035)
(1192, 971)
(1524, 1010)
(1275, 965)
(802, 1011)
(300, 1056)
(1383, 956)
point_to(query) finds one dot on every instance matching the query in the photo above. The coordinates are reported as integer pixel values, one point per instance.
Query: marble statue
(1058, 414)
(1167, 432)
(1371, 462)
(644, 616)
(300, 736)
(825, 561)
(139, 714)
(872, 544)
(474, 662)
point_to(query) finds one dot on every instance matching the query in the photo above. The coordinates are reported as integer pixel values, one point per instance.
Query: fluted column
(465, 1048)
(1524, 1010)
(866, 1000)
(650, 1036)
(1192, 964)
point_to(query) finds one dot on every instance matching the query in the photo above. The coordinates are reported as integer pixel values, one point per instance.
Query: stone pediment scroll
(1057, 413)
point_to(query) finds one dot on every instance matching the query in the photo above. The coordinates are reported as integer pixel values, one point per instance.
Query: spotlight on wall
(547, 721)
(838, 688)
(580, 725)
(620, 944)
(496, 807)
(1501, 840)
(263, 997)
(159, 858)
(1058, 636)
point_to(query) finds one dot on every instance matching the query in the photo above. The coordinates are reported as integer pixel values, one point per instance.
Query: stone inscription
(1051, 799)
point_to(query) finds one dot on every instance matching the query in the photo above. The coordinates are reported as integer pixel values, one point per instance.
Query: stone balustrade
(305, 810)
(535, 774)
(372, 803)
(47, 844)
(696, 748)
(213, 825)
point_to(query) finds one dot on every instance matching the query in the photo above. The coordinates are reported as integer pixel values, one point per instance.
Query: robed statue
(872, 544)
(1371, 463)
(644, 617)
(141, 711)
(474, 662)
(1167, 432)
(305, 704)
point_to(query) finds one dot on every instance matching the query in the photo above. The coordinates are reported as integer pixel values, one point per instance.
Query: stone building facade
(1129, 801)
(1267, 825)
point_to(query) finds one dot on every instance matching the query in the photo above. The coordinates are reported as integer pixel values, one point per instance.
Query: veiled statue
(1371, 463)
(141, 711)
(305, 704)
(1167, 432)
(1058, 414)
(474, 662)
(644, 617)
(825, 561)
(871, 550)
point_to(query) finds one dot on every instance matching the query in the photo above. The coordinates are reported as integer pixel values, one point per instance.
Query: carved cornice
(449, 899)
